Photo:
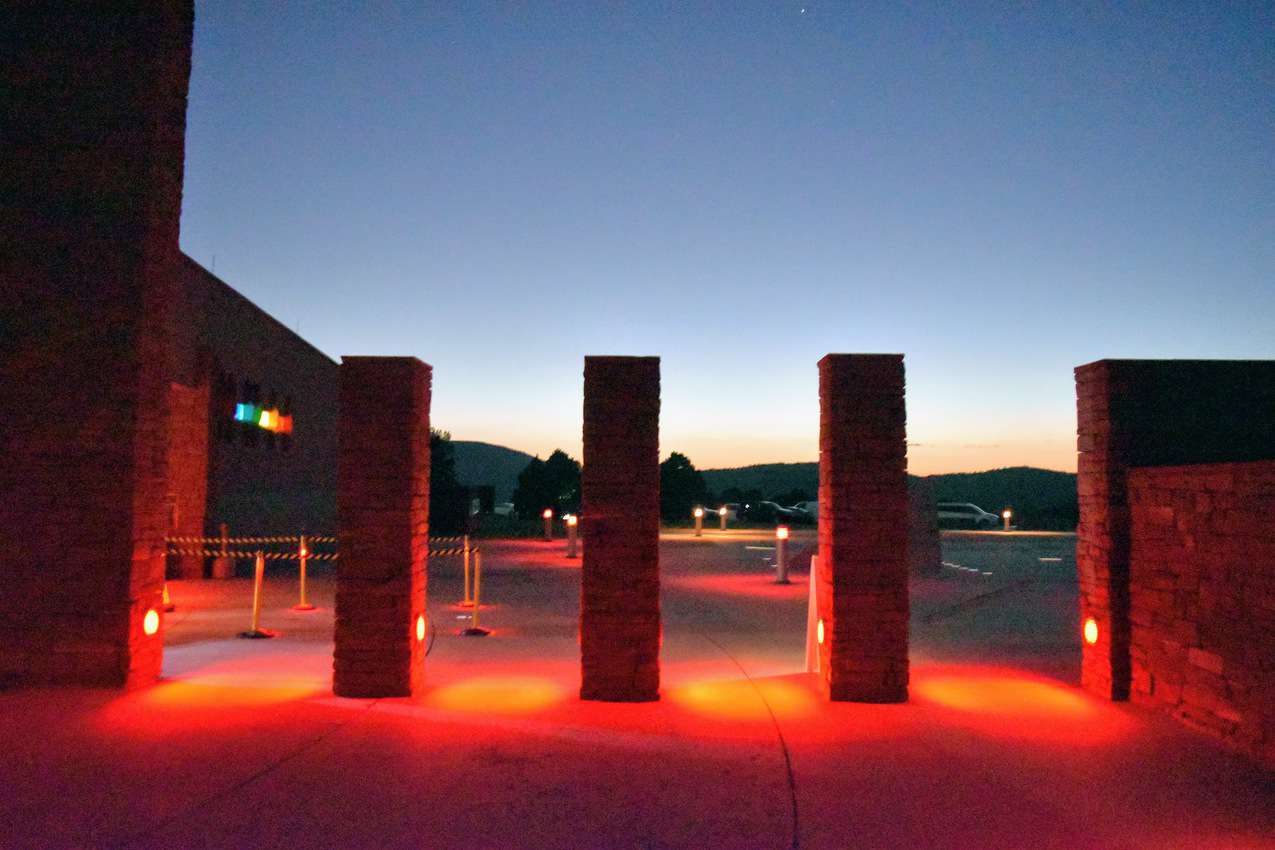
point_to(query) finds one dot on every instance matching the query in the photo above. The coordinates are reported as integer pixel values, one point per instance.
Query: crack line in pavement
(779, 733)
(277, 763)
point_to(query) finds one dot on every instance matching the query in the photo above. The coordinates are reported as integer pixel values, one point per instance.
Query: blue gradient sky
(500, 189)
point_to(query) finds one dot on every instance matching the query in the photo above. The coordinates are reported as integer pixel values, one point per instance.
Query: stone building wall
(258, 482)
(1202, 598)
(1133, 413)
(187, 494)
(91, 168)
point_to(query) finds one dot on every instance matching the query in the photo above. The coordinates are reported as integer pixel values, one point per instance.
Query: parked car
(965, 515)
(770, 512)
(809, 510)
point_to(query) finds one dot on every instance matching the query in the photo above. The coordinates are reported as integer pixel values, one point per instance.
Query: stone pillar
(925, 543)
(862, 577)
(620, 518)
(91, 168)
(382, 526)
(1102, 543)
(188, 451)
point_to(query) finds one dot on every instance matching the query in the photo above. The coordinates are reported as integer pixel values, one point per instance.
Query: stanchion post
(548, 515)
(303, 554)
(468, 600)
(1005, 515)
(571, 520)
(699, 521)
(259, 575)
(474, 629)
(721, 515)
(781, 555)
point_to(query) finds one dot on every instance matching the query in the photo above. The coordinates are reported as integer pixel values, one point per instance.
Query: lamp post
(721, 515)
(571, 520)
(1005, 515)
(548, 515)
(781, 555)
(699, 522)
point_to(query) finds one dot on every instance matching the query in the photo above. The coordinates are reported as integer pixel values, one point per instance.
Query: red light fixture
(420, 627)
(150, 622)
(819, 631)
(781, 533)
(1091, 631)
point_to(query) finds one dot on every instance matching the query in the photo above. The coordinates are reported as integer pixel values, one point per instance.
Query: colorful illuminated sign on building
(266, 418)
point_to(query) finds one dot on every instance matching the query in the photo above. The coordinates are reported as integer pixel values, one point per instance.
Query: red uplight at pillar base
(150, 622)
(1091, 631)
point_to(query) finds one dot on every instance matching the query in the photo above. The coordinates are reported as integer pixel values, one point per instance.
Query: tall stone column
(382, 526)
(91, 169)
(862, 578)
(620, 516)
(1102, 544)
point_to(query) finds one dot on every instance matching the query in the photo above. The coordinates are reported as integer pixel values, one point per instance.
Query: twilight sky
(502, 188)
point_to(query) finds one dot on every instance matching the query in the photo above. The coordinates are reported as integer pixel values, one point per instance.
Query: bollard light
(571, 520)
(698, 513)
(150, 622)
(781, 555)
(1005, 515)
(721, 515)
(420, 627)
(819, 631)
(1091, 631)
(548, 515)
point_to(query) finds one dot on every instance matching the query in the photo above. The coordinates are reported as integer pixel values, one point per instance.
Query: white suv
(965, 515)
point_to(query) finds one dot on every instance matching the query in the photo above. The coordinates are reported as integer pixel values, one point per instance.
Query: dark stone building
(252, 439)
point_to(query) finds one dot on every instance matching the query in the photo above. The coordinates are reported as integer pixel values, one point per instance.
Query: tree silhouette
(681, 487)
(552, 483)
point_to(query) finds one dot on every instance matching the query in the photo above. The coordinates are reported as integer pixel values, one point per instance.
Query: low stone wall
(1202, 598)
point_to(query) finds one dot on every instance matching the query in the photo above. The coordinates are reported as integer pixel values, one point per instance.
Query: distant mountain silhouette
(478, 464)
(1041, 498)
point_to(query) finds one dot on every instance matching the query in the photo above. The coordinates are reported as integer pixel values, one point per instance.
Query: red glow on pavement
(742, 699)
(1016, 705)
(498, 695)
(756, 585)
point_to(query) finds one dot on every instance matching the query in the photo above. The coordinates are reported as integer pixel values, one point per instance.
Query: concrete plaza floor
(244, 745)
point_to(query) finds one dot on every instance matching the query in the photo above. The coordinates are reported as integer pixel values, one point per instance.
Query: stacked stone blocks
(92, 178)
(1202, 598)
(1138, 413)
(620, 525)
(862, 579)
(383, 526)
